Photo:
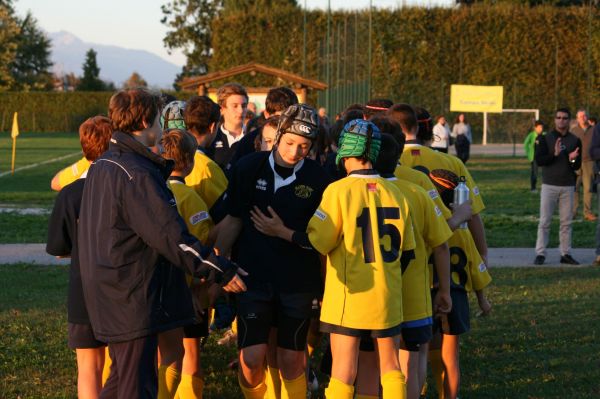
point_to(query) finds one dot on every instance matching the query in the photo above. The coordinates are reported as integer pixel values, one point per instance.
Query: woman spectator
(461, 132)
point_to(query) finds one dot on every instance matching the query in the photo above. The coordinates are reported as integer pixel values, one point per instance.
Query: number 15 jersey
(363, 226)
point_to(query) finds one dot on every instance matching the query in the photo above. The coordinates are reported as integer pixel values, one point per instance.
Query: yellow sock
(273, 381)
(338, 390)
(190, 387)
(394, 385)
(359, 396)
(437, 370)
(106, 368)
(234, 326)
(168, 380)
(258, 392)
(294, 389)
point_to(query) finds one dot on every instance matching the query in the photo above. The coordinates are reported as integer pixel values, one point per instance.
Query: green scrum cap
(171, 116)
(359, 138)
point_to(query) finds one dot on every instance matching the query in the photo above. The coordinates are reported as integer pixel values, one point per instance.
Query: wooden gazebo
(299, 84)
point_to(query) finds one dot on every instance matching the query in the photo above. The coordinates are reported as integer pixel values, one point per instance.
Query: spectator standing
(461, 133)
(559, 154)
(583, 131)
(529, 145)
(441, 135)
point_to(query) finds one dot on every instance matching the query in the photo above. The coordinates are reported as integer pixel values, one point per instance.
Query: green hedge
(54, 111)
(50, 111)
(419, 52)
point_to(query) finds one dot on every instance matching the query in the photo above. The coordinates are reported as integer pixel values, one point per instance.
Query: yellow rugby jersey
(192, 209)
(207, 179)
(363, 226)
(422, 180)
(468, 271)
(419, 155)
(430, 230)
(73, 172)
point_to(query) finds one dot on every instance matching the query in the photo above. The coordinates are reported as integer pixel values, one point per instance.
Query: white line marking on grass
(34, 165)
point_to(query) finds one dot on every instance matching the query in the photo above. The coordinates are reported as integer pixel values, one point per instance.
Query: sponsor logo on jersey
(304, 129)
(219, 144)
(303, 191)
(198, 217)
(482, 267)
(372, 187)
(320, 215)
(438, 211)
(476, 190)
(433, 194)
(261, 184)
(415, 152)
(315, 304)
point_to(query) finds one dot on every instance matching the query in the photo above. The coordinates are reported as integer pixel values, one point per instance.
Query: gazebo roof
(194, 82)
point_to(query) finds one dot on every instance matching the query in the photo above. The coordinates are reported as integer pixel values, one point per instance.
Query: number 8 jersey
(363, 226)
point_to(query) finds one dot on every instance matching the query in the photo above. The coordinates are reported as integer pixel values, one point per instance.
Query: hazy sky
(136, 23)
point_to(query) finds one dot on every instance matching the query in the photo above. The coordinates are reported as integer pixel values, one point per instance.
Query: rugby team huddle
(345, 232)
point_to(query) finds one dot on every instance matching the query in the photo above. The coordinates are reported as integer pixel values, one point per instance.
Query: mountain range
(116, 63)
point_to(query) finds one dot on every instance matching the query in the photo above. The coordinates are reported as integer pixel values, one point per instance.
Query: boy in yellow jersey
(364, 228)
(69, 174)
(207, 178)
(431, 233)
(468, 273)
(180, 146)
(418, 131)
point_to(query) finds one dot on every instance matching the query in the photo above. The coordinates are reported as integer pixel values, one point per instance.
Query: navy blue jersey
(271, 260)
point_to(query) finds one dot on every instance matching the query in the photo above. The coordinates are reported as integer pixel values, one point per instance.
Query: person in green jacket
(529, 145)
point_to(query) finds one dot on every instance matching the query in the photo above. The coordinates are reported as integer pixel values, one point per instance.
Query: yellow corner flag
(15, 127)
(14, 133)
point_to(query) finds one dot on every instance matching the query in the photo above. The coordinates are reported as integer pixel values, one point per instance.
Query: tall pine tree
(9, 31)
(31, 65)
(90, 81)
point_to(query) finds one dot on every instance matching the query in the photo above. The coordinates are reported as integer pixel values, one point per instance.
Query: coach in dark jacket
(559, 155)
(134, 248)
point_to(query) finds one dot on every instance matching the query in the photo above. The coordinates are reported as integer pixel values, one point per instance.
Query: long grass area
(541, 340)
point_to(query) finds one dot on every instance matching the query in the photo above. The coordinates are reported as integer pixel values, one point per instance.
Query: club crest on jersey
(198, 217)
(261, 184)
(219, 144)
(172, 202)
(482, 267)
(433, 194)
(320, 215)
(303, 191)
(372, 187)
(476, 190)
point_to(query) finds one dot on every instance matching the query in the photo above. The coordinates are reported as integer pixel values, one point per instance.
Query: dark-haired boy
(134, 248)
(285, 283)
(201, 116)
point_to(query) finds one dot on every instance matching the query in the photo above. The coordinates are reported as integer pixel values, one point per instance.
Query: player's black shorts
(198, 330)
(81, 336)
(414, 337)
(365, 335)
(259, 310)
(459, 321)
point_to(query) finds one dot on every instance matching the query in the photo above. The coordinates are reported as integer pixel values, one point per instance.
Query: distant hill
(116, 63)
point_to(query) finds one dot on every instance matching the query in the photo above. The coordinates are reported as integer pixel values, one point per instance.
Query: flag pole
(14, 133)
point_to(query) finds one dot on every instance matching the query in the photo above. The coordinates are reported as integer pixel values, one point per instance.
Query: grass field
(541, 340)
(511, 214)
